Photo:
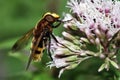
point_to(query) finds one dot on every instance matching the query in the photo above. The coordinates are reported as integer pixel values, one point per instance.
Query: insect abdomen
(39, 41)
(37, 49)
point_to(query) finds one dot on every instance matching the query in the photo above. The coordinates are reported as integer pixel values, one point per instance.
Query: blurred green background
(16, 18)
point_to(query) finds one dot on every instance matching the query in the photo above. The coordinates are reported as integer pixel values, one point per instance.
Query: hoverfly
(42, 34)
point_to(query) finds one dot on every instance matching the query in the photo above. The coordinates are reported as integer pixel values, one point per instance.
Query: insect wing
(32, 55)
(23, 41)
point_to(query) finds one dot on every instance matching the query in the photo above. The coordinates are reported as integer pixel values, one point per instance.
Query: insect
(42, 34)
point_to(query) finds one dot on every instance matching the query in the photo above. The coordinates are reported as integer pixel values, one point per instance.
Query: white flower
(94, 23)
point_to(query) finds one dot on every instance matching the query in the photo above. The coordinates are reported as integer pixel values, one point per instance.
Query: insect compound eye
(49, 18)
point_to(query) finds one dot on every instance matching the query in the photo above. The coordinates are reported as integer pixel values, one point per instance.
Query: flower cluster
(93, 30)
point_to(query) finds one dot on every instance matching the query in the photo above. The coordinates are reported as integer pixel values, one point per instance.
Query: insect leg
(56, 25)
(49, 44)
(57, 40)
(60, 43)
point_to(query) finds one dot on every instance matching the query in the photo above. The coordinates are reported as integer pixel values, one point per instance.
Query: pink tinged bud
(104, 28)
(97, 41)
(109, 34)
(102, 56)
(66, 25)
(118, 25)
(68, 36)
(60, 51)
(98, 33)
(60, 63)
(89, 34)
(82, 29)
(84, 39)
(92, 25)
(107, 11)
(92, 41)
